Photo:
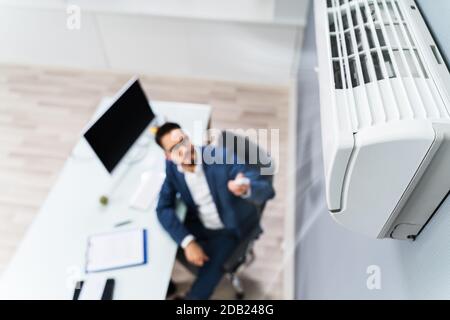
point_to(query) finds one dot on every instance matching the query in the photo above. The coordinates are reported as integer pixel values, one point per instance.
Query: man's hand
(195, 254)
(239, 186)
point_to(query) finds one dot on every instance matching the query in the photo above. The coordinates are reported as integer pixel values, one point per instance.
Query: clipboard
(116, 250)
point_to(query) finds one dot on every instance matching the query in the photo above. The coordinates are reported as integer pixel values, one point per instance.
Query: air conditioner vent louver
(371, 41)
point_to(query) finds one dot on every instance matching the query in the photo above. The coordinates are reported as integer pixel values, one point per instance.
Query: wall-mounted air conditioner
(385, 102)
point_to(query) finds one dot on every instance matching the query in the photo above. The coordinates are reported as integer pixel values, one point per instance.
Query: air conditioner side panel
(384, 162)
(337, 136)
(430, 187)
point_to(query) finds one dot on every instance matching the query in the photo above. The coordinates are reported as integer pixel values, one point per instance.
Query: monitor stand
(138, 151)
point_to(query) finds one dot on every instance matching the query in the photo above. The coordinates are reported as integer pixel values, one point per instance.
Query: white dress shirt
(199, 188)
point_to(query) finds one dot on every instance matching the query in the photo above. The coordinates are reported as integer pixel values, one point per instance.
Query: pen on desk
(123, 223)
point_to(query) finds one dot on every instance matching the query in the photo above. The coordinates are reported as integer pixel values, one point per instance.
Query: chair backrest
(249, 153)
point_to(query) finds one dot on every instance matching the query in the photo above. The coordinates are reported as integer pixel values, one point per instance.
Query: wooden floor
(42, 111)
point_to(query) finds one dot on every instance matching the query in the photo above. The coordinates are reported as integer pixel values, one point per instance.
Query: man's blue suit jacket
(237, 214)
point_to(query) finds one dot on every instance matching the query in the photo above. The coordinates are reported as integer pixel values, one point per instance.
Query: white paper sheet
(116, 250)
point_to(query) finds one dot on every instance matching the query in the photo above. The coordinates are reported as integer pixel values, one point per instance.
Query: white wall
(41, 37)
(230, 10)
(156, 40)
(257, 53)
(287, 11)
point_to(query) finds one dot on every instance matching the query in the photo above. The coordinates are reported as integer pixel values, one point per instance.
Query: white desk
(52, 254)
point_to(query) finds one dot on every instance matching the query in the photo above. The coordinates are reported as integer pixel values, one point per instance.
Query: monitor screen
(112, 135)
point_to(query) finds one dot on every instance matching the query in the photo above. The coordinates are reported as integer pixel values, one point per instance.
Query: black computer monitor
(112, 135)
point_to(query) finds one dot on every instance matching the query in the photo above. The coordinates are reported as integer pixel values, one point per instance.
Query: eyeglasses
(183, 142)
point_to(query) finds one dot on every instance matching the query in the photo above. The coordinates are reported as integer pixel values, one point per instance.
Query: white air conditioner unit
(385, 102)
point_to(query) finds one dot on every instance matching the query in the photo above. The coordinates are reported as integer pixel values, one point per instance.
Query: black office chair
(244, 254)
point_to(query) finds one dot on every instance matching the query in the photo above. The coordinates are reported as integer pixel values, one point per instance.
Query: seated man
(220, 199)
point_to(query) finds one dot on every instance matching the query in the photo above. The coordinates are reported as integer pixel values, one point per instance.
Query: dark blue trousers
(218, 246)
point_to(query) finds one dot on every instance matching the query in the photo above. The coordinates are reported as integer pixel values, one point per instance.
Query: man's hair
(165, 129)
